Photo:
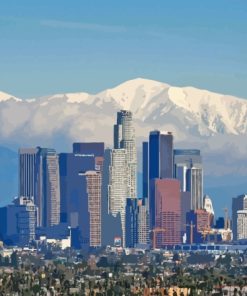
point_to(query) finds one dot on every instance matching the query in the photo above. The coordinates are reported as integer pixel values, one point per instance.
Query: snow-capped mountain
(213, 122)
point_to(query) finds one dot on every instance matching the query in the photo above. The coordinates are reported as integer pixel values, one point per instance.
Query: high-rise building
(124, 138)
(28, 172)
(145, 176)
(160, 155)
(242, 224)
(109, 221)
(48, 197)
(143, 222)
(80, 185)
(167, 215)
(131, 222)
(39, 180)
(188, 170)
(160, 164)
(239, 203)
(95, 149)
(194, 184)
(183, 158)
(118, 186)
(19, 221)
(94, 206)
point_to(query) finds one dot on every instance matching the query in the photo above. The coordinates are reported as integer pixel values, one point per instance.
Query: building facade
(118, 186)
(124, 138)
(167, 220)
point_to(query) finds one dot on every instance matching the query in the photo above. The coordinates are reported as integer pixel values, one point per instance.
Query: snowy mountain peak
(134, 93)
(5, 97)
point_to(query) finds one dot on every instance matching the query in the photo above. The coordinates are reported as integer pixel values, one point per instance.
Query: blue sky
(53, 46)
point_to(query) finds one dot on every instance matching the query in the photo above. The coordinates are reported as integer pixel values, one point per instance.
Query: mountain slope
(214, 123)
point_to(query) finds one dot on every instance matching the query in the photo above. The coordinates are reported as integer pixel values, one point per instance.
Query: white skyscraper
(118, 186)
(242, 224)
(124, 138)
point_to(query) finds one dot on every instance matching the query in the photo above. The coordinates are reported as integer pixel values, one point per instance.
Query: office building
(28, 172)
(80, 185)
(145, 176)
(124, 138)
(94, 206)
(160, 155)
(188, 170)
(239, 203)
(167, 215)
(160, 164)
(143, 222)
(242, 224)
(118, 186)
(39, 180)
(197, 225)
(19, 222)
(48, 197)
(194, 184)
(131, 222)
(109, 220)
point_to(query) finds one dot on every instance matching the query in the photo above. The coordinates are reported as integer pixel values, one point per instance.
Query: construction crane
(191, 225)
(154, 231)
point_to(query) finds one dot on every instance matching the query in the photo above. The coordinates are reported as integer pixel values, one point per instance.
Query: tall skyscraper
(194, 184)
(131, 221)
(39, 180)
(188, 170)
(160, 164)
(94, 206)
(28, 172)
(145, 176)
(242, 224)
(48, 198)
(160, 155)
(167, 215)
(118, 185)
(143, 222)
(239, 203)
(80, 183)
(124, 138)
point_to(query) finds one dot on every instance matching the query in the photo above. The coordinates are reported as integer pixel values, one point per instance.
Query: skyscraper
(124, 138)
(167, 215)
(160, 155)
(118, 186)
(28, 172)
(109, 220)
(143, 222)
(80, 183)
(39, 180)
(242, 224)
(160, 164)
(239, 203)
(48, 198)
(94, 206)
(194, 184)
(145, 176)
(188, 170)
(131, 221)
